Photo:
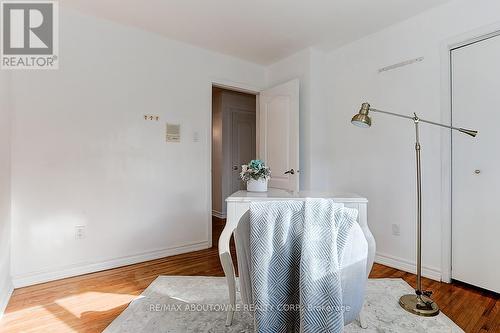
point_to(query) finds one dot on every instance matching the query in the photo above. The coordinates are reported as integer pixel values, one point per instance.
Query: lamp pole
(419, 209)
(419, 303)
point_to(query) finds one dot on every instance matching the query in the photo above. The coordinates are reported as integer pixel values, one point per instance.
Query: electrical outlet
(395, 230)
(79, 232)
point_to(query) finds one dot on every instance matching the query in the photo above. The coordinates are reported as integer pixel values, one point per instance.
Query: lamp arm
(392, 113)
(463, 130)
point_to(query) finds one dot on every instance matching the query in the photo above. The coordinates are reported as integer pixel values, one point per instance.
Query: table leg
(363, 222)
(227, 266)
(362, 320)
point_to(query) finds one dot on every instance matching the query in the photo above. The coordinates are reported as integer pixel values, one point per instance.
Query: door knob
(235, 167)
(477, 172)
(290, 172)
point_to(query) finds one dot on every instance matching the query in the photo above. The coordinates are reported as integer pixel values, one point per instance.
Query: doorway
(234, 142)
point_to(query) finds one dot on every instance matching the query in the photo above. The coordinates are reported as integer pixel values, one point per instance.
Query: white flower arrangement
(256, 170)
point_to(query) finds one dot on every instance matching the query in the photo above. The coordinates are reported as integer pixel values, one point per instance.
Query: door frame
(234, 86)
(447, 47)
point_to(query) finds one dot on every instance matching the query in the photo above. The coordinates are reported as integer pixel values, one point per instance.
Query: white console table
(238, 206)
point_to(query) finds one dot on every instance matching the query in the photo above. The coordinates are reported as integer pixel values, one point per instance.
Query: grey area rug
(176, 304)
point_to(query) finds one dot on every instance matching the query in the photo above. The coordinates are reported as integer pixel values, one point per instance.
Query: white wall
(319, 128)
(5, 216)
(83, 154)
(379, 162)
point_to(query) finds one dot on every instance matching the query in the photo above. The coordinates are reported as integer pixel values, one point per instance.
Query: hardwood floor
(88, 303)
(473, 309)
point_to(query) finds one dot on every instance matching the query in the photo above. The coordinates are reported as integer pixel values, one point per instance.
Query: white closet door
(476, 164)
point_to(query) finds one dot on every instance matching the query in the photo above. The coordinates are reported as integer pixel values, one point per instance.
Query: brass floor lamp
(419, 303)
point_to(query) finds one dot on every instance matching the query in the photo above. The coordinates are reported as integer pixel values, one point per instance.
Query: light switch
(173, 132)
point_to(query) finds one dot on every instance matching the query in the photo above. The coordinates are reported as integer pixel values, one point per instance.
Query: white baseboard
(407, 266)
(219, 214)
(80, 269)
(5, 294)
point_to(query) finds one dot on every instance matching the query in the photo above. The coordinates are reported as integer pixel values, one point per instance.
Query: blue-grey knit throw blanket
(296, 247)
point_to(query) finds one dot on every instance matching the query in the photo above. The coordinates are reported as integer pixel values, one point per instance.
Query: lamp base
(421, 306)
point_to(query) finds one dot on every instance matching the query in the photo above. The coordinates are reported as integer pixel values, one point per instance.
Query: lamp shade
(362, 119)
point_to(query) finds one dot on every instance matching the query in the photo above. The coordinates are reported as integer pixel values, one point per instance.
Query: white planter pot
(257, 185)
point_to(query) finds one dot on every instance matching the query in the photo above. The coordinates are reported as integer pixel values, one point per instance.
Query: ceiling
(260, 31)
